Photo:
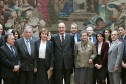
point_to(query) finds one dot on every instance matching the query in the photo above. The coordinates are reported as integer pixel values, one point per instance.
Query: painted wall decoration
(101, 14)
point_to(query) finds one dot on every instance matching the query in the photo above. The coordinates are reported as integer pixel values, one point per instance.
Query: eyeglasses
(113, 34)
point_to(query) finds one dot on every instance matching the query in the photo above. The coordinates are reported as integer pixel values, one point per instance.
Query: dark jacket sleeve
(4, 59)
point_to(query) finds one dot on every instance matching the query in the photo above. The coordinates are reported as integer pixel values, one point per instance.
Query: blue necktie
(12, 50)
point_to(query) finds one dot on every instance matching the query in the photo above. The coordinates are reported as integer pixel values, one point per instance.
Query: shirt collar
(63, 34)
(8, 45)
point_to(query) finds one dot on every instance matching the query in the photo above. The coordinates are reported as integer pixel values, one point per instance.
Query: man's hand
(90, 61)
(116, 69)
(16, 68)
(123, 65)
(35, 70)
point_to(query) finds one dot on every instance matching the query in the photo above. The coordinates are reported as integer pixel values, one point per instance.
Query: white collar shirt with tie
(61, 36)
(90, 39)
(75, 38)
(27, 43)
(11, 48)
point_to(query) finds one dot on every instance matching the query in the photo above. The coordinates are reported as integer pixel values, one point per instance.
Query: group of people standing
(30, 60)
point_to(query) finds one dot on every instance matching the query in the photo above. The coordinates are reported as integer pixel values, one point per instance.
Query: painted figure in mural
(2, 12)
(108, 16)
(92, 5)
(32, 21)
(32, 2)
(43, 10)
(52, 12)
(67, 9)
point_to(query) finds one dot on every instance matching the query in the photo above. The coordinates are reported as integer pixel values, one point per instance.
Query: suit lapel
(31, 45)
(113, 46)
(97, 47)
(23, 45)
(10, 52)
(66, 37)
(58, 39)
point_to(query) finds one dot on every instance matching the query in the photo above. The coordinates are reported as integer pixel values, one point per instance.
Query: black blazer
(63, 53)
(2, 42)
(28, 62)
(49, 52)
(104, 54)
(8, 61)
(124, 53)
(78, 37)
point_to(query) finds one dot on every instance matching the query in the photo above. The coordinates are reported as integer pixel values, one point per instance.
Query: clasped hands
(16, 68)
(98, 66)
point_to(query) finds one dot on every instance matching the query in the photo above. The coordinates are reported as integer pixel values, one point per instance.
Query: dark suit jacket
(8, 61)
(63, 53)
(2, 40)
(124, 53)
(104, 54)
(78, 36)
(49, 52)
(28, 62)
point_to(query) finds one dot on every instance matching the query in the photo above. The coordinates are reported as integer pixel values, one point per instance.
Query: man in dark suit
(74, 29)
(1, 43)
(9, 59)
(91, 36)
(26, 50)
(122, 38)
(63, 55)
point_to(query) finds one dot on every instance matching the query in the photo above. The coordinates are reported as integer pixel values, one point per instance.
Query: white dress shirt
(99, 48)
(61, 36)
(42, 50)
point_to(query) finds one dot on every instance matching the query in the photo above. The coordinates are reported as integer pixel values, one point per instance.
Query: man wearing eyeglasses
(115, 55)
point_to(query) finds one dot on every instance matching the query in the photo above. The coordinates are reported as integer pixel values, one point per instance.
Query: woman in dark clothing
(101, 59)
(45, 58)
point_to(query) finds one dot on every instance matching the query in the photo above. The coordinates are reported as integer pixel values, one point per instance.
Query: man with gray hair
(26, 50)
(74, 29)
(90, 32)
(115, 55)
(10, 62)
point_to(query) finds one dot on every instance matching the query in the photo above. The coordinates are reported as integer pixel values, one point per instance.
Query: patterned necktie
(12, 50)
(121, 39)
(28, 46)
(62, 39)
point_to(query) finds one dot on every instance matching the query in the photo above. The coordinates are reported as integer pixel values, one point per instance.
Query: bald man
(63, 55)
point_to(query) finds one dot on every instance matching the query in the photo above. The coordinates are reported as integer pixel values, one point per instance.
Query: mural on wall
(109, 16)
(101, 14)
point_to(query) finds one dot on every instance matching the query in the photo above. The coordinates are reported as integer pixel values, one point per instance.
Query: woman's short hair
(43, 30)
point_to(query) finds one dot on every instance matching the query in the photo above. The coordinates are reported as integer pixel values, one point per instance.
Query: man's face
(61, 28)
(10, 40)
(73, 29)
(28, 33)
(1, 29)
(121, 31)
(90, 31)
(114, 35)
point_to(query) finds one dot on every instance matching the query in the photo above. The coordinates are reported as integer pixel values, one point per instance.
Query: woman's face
(100, 38)
(107, 33)
(44, 36)
(84, 37)
(16, 35)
